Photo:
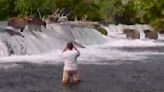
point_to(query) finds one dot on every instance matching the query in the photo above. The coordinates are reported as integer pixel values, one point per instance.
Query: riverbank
(134, 77)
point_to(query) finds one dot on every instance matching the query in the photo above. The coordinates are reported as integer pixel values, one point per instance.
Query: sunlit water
(46, 47)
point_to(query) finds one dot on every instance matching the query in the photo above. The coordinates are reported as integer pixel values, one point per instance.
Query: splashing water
(45, 46)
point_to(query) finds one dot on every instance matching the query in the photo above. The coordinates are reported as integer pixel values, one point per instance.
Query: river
(109, 63)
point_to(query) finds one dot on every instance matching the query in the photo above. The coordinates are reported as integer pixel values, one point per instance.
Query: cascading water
(45, 45)
(44, 40)
(115, 31)
(116, 38)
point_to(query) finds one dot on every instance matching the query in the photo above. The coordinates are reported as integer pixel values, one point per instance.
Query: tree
(150, 11)
(114, 11)
(34, 7)
(4, 9)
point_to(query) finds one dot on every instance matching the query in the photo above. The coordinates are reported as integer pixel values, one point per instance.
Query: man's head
(70, 45)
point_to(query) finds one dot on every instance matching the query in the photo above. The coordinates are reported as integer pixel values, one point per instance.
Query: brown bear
(151, 34)
(131, 34)
(20, 23)
(17, 23)
(35, 21)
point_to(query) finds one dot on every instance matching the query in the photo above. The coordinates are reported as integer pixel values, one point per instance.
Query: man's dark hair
(70, 45)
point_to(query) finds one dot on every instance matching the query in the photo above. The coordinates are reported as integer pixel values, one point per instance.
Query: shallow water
(119, 65)
(130, 76)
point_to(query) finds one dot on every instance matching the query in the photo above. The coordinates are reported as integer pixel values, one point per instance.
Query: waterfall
(115, 31)
(44, 45)
(35, 40)
(117, 38)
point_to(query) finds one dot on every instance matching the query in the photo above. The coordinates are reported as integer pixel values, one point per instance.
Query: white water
(46, 47)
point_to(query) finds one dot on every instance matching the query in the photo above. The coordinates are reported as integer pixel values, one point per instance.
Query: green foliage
(34, 7)
(100, 29)
(113, 11)
(4, 9)
(149, 11)
(158, 24)
(111, 8)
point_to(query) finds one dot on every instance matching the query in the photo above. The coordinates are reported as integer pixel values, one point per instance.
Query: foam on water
(91, 55)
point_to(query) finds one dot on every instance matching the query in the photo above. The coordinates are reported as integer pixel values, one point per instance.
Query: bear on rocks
(20, 23)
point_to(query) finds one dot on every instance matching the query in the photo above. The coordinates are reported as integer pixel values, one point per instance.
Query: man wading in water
(70, 73)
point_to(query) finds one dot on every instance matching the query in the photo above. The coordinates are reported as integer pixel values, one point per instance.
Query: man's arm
(65, 49)
(78, 52)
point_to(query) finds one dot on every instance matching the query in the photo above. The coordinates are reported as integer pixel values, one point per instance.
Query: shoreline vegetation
(108, 11)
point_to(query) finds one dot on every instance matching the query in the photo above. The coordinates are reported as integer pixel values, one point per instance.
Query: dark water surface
(140, 49)
(134, 77)
(145, 75)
